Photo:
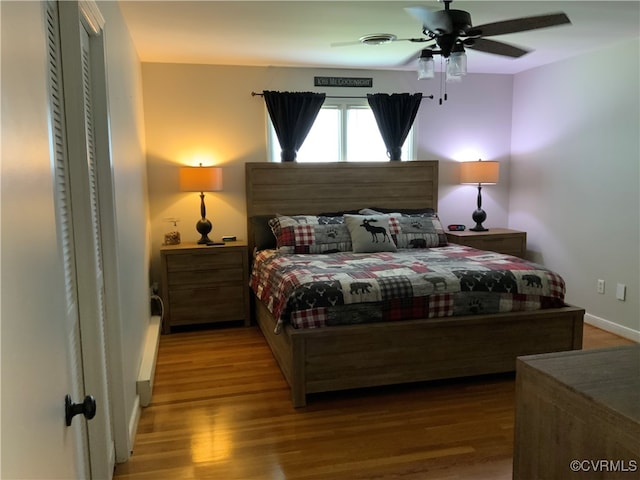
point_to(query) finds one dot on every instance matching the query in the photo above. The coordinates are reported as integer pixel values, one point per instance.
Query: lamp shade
(200, 179)
(479, 172)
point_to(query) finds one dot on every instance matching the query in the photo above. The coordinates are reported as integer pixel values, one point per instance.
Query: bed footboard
(346, 357)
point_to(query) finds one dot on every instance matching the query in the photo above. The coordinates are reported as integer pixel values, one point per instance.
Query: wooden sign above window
(342, 82)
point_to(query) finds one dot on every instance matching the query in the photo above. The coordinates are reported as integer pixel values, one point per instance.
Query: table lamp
(201, 179)
(480, 173)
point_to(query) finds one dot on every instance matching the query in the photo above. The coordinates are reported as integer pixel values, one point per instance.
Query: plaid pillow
(419, 231)
(310, 234)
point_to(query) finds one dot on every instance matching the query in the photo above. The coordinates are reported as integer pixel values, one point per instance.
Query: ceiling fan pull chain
(441, 81)
(443, 77)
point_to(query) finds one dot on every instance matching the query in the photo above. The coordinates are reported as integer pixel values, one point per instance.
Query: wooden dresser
(578, 415)
(501, 240)
(205, 284)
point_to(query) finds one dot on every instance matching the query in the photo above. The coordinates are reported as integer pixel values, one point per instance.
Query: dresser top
(609, 376)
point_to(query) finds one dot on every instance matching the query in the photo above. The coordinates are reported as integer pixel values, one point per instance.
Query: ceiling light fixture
(456, 63)
(426, 65)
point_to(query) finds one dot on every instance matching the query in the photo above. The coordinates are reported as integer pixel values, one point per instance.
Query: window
(342, 133)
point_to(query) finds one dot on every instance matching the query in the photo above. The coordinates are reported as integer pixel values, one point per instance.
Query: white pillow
(370, 233)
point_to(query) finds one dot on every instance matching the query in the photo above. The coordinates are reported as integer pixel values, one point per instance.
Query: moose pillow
(370, 233)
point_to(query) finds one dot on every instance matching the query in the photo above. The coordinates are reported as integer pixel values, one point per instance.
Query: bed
(337, 356)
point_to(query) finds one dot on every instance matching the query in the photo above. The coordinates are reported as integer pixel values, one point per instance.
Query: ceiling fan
(452, 29)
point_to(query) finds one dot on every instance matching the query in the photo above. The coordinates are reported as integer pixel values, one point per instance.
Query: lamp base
(479, 216)
(204, 227)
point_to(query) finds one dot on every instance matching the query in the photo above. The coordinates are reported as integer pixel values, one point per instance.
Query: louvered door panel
(65, 224)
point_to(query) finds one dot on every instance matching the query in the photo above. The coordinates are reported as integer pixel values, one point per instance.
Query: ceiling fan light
(457, 64)
(426, 66)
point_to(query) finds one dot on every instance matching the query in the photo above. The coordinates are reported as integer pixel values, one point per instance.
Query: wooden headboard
(312, 188)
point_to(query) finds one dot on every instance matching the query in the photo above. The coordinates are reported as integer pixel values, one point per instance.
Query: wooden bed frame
(346, 357)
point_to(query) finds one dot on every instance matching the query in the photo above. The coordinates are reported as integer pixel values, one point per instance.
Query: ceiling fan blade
(437, 21)
(345, 44)
(497, 48)
(520, 25)
(415, 40)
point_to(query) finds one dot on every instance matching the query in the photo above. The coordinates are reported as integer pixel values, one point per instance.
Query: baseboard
(144, 384)
(611, 327)
(133, 421)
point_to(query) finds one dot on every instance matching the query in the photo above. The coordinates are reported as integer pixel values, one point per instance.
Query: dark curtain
(292, 115)
(394, 114)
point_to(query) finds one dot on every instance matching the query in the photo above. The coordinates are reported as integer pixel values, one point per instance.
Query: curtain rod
(254, 94)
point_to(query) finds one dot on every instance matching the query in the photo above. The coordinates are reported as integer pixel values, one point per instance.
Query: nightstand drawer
(213, 259)
(507, 245)
(206, 305)
(501, 240)
(189, 278)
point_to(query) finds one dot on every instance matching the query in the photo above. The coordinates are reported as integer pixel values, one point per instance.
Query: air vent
(378, 38)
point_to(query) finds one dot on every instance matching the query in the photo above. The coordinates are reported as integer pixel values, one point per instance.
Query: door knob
(87, 408)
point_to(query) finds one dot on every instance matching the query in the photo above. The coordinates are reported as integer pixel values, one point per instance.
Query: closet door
(79, 213)
(65, 232)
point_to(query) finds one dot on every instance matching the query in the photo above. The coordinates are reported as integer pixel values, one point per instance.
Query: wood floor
(221, 410)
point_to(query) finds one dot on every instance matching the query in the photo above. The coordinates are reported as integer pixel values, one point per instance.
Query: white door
(38, 302)
(52, 303)
(79, 222)
(64, 226)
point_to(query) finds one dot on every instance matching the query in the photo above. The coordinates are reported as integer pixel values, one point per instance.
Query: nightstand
(501, 240)
(205, 284)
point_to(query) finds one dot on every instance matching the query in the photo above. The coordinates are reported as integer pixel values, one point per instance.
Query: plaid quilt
(316, 290)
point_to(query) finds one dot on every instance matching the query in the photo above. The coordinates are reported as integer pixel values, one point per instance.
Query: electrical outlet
(621, 291)
(600, 286)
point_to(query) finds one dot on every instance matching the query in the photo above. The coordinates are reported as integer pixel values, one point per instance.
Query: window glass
(323, 141)
(364, 142)
(342, 133)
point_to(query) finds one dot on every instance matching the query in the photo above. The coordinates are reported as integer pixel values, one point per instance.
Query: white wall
(133, 247)
(575, 179)
(207, 111)
(475, 122)
(33, 356)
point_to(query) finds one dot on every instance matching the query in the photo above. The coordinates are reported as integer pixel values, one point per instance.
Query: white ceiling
(300, 33)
